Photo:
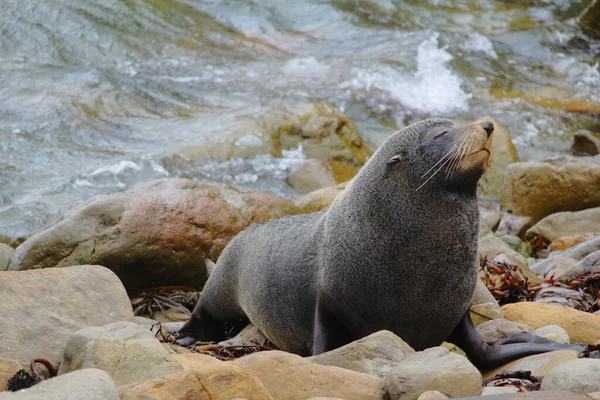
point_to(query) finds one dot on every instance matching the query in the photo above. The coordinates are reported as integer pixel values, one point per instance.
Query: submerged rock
(128, 352)
(586, 142)
(540, 188)
(6, 253)
(41, 309)
(155, 234)
(590, 17)
(375, 354)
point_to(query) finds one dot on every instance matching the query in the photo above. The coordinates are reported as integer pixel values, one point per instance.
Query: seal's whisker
(449, 153)
(465, 148)
(435, 173)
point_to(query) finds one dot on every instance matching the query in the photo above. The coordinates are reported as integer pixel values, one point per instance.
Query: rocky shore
(98, 293)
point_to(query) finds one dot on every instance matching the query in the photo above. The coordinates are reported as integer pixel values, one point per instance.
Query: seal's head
(437, 153)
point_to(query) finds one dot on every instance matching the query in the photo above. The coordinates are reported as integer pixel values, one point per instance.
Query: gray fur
(384, 256)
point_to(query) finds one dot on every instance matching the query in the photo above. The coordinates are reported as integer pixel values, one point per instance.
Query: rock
(590, 16)
(47, 306)
(6, 253)
(288, 376)
(566, 223)
(590, 263)
(489, 214)
(555, 331)
(89, 384)
(8, 369)
(504, 153)
(494, 330)
(327, 135)
(500, 390)
(204, 377)
(249, 336)
(375, 354)
(125, 350)
(513, 225)
(432, 395)
(490, 247)
(155, 234)
(433, 369)
(586, 143)
(541, 188)
(579, 375)
(575, 254)
(549, 395)
(319, 199)
(481, 313)
(566, 242)
(582, 327)
(538, 364)
(311, 175)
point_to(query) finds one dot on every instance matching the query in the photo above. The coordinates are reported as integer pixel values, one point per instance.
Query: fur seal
(397, 250)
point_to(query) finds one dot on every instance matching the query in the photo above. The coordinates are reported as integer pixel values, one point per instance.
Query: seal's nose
(488, 127)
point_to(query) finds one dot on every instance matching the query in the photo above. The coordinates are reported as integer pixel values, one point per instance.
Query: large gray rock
(590, 263)
(565, 224)
(375, 354)
(433, 369)
(554, 332)
(156, 234)
(6, 253)
(576, 253)
(539, 188)
(41, 309)
(128, 352)
(88, 384)
(496, 329)
(579, 375)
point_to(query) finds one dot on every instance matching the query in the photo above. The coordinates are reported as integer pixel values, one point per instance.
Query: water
(98, 95)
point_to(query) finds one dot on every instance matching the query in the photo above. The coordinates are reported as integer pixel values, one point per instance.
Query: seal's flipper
(329, 332)
(484, 356)
(203, 327)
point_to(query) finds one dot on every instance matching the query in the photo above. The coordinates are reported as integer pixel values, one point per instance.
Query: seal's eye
(440, 134)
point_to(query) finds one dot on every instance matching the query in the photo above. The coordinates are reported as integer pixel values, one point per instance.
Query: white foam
(479, 43)
(242, 171)
(118, 168)
(250, 140)
(434, 88)
(305, 67)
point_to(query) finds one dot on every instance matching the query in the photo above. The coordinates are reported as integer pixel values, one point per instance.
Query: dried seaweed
(508, 284)
(522, 380)
(166, 298)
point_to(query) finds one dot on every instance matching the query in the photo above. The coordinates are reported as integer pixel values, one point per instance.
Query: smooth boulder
(41, 309)
(538, 364)
(582, 327)
(433, 369)
(6, 253)
(375, 354)
(128, 352)
(155, 234)
(496, 329)
(88, 384)
(579, 375)
(288, 376)
(566, 223)
(540, 188)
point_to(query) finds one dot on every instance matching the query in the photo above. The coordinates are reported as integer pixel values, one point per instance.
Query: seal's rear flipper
(484, 356)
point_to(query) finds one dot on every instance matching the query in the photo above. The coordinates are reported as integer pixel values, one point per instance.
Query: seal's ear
(394, 160)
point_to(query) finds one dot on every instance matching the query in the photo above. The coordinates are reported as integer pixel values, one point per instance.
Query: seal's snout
(488, 127)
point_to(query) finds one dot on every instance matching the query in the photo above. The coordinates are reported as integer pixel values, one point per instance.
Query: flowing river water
(98, 95)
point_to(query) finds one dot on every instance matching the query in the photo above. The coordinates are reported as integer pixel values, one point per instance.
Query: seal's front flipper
(201, 327)
(484, 356)
(329, 332)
